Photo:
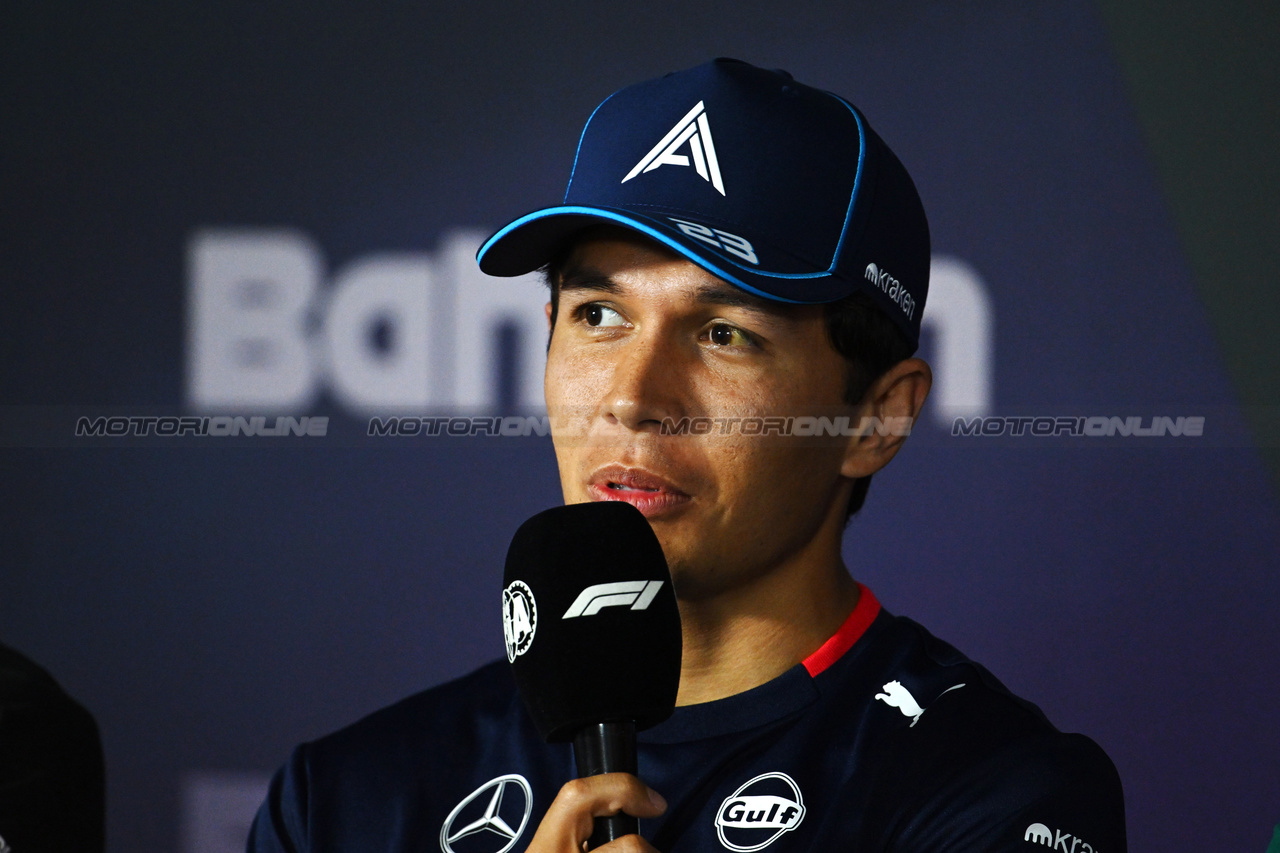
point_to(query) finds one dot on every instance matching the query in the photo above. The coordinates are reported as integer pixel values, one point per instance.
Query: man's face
(643, 336)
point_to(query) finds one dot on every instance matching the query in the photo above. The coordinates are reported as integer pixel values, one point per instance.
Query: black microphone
(593, 635)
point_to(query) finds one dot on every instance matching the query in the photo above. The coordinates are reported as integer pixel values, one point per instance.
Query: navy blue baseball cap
(773, 186)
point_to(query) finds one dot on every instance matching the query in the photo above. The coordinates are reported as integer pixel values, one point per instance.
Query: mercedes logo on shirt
(490, 818)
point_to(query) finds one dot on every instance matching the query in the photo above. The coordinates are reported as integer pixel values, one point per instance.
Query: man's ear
(886, 415)
(548, 310)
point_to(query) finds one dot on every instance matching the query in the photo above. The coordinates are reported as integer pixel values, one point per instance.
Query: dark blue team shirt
(899, 743)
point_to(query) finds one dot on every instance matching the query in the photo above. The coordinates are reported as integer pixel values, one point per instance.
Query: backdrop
(247, 210)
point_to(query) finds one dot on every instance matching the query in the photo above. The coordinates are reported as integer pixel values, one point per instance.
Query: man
(52, 777)
(737, 277)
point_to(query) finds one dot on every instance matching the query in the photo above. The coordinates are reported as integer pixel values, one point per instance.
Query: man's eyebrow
(720, 293)
(580, 278)
(709, 293)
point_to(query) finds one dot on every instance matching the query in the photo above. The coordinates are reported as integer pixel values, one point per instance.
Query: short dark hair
(871, 344)
(868, 340)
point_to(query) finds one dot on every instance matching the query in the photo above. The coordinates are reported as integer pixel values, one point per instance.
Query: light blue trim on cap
(857, 181)
(578, 151)
(649, 231)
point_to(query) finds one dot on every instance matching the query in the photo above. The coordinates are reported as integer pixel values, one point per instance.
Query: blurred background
(263, 210)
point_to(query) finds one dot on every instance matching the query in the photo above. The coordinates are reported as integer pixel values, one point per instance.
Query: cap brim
(531, 241)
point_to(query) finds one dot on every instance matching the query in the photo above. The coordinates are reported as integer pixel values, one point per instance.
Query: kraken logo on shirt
(753, 816)
(519, 618)
(490, 818)
(1038, 833)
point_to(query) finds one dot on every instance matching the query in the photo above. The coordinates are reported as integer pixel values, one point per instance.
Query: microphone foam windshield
(590, 619)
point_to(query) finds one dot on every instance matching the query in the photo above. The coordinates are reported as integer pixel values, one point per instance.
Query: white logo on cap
(731, 243)
(892, 288)
(519, 618)
(695, 130)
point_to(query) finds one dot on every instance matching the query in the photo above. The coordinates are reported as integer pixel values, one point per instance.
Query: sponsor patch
(1038, 833)
(490, 818)
(760, 811)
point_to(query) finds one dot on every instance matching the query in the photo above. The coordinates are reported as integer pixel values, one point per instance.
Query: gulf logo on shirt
(756, 814)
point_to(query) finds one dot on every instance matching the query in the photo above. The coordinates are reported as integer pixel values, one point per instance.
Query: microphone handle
(607, 748)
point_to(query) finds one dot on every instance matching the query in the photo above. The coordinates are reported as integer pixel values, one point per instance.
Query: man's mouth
(621, 487)
(647, 492)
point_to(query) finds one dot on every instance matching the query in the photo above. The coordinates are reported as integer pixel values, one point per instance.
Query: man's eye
(724, 335)
(595, 314)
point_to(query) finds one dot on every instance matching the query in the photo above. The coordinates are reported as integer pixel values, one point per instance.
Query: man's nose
(646, 383)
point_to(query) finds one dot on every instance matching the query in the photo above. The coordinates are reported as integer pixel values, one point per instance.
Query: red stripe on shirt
(864, 613)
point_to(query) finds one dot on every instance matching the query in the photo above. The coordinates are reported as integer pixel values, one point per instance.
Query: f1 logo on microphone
(637, 595)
